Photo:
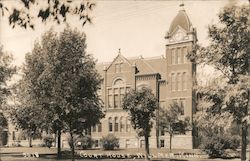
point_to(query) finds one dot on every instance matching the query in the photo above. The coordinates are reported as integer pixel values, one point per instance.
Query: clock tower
(180, 38)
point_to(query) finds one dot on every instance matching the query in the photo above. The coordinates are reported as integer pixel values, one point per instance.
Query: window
(173, 56)
(179, 81)
(96, 143)
(127, 125)
(173, 82)
(118, 67)
(122, 92)
(99, 127)
(94, 128)
(182, 105)
(179, 56)
(116, 101)
(162, 143)
(184, 80)
(122, 125)
(127, 143)
(110, 125)
(110, 98)
(162, 132)
(13, 135)
(116, 124)
(184, 54)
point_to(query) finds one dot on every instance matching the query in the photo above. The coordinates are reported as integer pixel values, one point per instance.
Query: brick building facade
(170, 77)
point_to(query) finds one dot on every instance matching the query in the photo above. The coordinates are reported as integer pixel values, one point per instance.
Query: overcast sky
(137, 27)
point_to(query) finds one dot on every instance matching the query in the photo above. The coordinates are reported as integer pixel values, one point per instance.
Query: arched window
(122, 124)
(116, 124)
(110, 125)
(173, 82)
(116, 93)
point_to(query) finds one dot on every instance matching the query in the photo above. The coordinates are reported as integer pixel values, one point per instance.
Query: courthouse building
(170, 77)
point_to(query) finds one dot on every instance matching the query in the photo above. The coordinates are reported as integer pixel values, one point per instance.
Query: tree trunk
(147, 147)
(30, 141)
(59, 153)
(170, 142)
(243, 141)
(72, 146)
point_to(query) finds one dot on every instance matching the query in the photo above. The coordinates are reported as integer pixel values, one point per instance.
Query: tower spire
(182, 5)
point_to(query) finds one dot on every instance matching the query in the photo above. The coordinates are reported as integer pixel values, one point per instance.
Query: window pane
(184, 55)
(184, 81)
(116, 91)
(100, 127)
(179, 81)
(122, 125)
(116, 124)
(110, 101)
(116, 101)
(121, 99)
(179, 56)
(173, 56)
(162, 143)
(110, 125)
(182, 105)
(173, 82)
(128, 125)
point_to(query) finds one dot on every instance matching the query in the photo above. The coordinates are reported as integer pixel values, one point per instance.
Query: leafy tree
(228, 52)
(63, 82)
(171, 121)
(110, 142)
(141, 105)
(26, 11)
(6, 72)
(3, 133)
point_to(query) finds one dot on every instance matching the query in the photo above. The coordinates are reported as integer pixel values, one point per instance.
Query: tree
(141, 105)
(6, 72)
(171, 121)
(63, 82)
(26, 11)
(3, 133)
(228, 52)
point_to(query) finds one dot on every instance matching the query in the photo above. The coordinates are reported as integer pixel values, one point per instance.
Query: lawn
(44, 154)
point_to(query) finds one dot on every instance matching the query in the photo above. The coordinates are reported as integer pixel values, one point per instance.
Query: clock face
(179, 36)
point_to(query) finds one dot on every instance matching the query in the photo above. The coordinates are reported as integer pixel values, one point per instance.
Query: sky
(137, 27)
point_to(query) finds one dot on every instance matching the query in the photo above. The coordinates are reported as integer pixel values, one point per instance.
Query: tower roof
(182, 20)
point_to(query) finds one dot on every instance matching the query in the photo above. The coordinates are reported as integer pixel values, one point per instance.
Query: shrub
(110, 142)
(84, 142)
(216, 146)
(48, 140)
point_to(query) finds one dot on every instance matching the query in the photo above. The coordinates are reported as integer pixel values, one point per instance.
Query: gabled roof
(121, 56)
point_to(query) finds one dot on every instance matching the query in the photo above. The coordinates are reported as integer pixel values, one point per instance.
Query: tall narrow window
(122, 92)
(184, 55)
(128, 124)
(110, 125)
(184, 81)
(122, 125)
(172, 56)
(116, 98)
(110, 98)
(182, 105)
(179, 81)
(116, 124)
(94, 128)
(99, 127)
(117, 68)
(173, 82)
(179, 56)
